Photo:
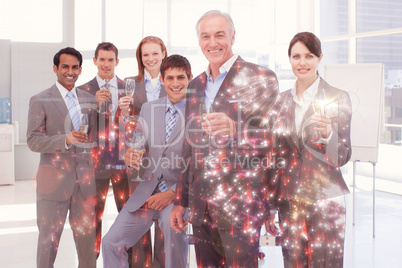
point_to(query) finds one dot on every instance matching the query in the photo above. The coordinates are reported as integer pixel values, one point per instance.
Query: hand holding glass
(138, 143)
(84, 122)
(130, 87)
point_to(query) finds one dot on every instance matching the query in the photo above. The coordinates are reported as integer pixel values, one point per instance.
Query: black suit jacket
(234, 189)
(307, 171)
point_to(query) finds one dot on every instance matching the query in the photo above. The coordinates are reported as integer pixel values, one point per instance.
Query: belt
(115, 167)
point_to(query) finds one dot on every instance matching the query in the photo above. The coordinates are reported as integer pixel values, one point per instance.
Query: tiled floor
(18, 231)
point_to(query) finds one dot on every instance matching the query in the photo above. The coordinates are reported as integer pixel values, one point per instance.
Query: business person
(162, 124)
(109, 154)
(151, 51)
(226, 200)
(65, 177)
(314, 140)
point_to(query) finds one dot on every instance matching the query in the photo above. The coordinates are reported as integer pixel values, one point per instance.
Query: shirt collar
(308, 95)
(63, 91)
(112, 82)
(225, 67)
(180, 105)
(148, 77)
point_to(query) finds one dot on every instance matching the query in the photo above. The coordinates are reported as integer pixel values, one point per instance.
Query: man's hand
(177, 221)
(124, 104)
(270, 225)
(102, 96)
(160, 200)
(218, 124)
(133, 158)
(76, 136)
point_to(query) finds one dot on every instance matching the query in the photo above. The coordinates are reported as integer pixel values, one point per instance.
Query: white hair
(215, 13)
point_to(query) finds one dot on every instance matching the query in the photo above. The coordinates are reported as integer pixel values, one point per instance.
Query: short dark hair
(107, 46)
(70, 51)
(178, 62)
(309, 40)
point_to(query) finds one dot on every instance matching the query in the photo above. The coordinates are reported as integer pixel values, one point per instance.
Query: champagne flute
(130, 87)
(138, 143)
(84, 122)
(319, 109)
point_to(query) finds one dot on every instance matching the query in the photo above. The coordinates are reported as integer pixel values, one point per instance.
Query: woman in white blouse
(313, 142)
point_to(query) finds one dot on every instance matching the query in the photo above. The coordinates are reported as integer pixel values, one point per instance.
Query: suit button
(163, 155)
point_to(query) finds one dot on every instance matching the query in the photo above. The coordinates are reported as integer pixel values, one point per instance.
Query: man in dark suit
(225, 187)
(65, 177)
(108, 89)
(161, 124)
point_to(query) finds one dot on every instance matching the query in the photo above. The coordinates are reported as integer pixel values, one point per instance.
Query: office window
(88, 24)
(373, 15)
(155, 19)
(123, 23)
(386, 49)
(28, 21)
(335, 52)
(285, 21)
(333, 17)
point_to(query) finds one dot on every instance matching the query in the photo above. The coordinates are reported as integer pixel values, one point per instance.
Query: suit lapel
(223, 95)
(158, 118)
(60, 105)
(287, 121)
(162, 93)
(140, 93)
(177, 129)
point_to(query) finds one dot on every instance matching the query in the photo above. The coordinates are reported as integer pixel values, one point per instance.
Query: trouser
(313, 234)
(51, 217)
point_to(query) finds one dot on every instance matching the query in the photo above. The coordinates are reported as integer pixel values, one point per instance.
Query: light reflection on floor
(18, 231)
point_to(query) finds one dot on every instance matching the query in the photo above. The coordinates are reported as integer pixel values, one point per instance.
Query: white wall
(5, 67)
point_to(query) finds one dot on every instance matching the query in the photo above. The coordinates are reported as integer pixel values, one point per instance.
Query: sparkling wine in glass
(130, 87)
(84, 122)
(319, 109)
(138, 143)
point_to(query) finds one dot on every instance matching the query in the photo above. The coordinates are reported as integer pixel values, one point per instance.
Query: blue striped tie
(169, 128)
(72, 108)
(171, 121)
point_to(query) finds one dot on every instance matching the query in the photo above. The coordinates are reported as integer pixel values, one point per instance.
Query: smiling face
(106, 63)
(304, 63)
(152, 56)
(68, 71)
(216, 40)
(176, 82)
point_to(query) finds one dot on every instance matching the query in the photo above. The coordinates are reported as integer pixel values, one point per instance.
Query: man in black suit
(225, 185)
(109, 154)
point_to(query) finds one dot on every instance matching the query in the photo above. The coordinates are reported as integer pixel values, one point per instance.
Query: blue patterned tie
(171, 121)
(72, 108)
(169, 128)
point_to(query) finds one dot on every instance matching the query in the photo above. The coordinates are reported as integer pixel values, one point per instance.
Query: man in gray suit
(162, 124)
(65, 177)
(108, 155)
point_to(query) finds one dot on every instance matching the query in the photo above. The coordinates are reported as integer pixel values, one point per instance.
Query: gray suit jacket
(259, 87)
(162, 158)
(48, 124)
(108, 153)
(307, 171)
